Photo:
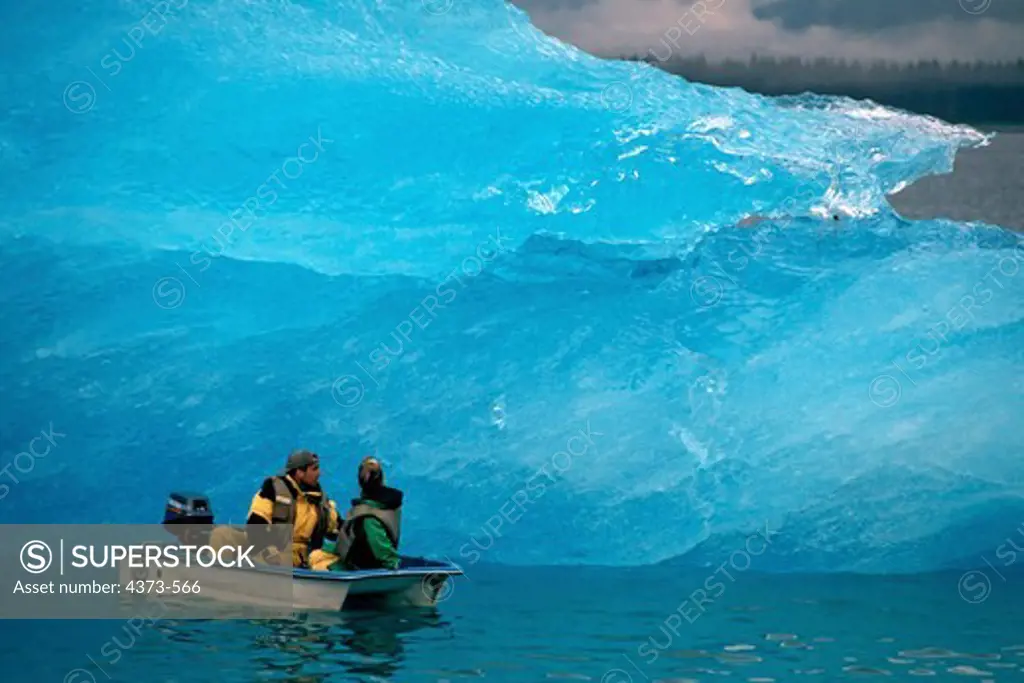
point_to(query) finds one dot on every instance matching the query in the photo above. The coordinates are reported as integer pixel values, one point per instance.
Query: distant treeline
(976, 92)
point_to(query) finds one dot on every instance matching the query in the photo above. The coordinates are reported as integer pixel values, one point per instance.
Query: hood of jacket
(382, 497)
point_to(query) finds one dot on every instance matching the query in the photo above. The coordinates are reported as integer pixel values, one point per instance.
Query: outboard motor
(189, 517)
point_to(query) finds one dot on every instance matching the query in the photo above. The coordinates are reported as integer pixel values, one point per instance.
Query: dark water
(986, 185)
(610, 625)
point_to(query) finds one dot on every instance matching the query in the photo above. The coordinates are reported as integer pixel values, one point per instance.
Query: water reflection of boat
(362, 643)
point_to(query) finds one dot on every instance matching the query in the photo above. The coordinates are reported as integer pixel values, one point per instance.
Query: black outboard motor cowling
(188, 508)
(189, 516)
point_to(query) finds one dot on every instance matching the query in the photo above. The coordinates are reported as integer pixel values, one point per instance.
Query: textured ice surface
(457, 243)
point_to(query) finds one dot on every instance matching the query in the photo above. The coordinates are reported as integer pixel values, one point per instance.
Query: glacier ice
(586, 312)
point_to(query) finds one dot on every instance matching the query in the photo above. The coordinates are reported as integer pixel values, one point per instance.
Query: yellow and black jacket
(282, 500)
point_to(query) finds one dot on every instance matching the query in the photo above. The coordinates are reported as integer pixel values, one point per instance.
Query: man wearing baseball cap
(294, 497)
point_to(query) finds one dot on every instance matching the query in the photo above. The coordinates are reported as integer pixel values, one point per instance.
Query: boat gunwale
(446, 569)
(366, 574)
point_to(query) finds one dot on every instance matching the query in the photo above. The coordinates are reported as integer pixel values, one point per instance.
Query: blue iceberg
(586, 311)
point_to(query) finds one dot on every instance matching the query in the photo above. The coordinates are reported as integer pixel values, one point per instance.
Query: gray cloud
(852, 29)
(874, 15)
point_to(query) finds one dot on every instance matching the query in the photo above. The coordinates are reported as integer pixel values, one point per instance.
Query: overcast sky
(855, 29)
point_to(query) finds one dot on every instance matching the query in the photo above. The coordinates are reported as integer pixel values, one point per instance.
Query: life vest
(391, 519)
(284, 511)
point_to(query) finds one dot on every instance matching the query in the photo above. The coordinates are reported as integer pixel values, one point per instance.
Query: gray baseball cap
(300, 459)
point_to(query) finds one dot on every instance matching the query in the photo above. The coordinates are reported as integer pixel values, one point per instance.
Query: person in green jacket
(370, 534)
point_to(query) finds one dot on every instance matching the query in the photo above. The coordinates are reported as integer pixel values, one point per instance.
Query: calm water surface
(986, 185)
(610, 625)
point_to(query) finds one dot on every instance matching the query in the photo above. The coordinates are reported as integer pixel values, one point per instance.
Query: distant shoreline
(983, 95)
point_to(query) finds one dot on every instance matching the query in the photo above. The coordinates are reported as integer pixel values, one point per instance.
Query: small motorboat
(418, 582)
